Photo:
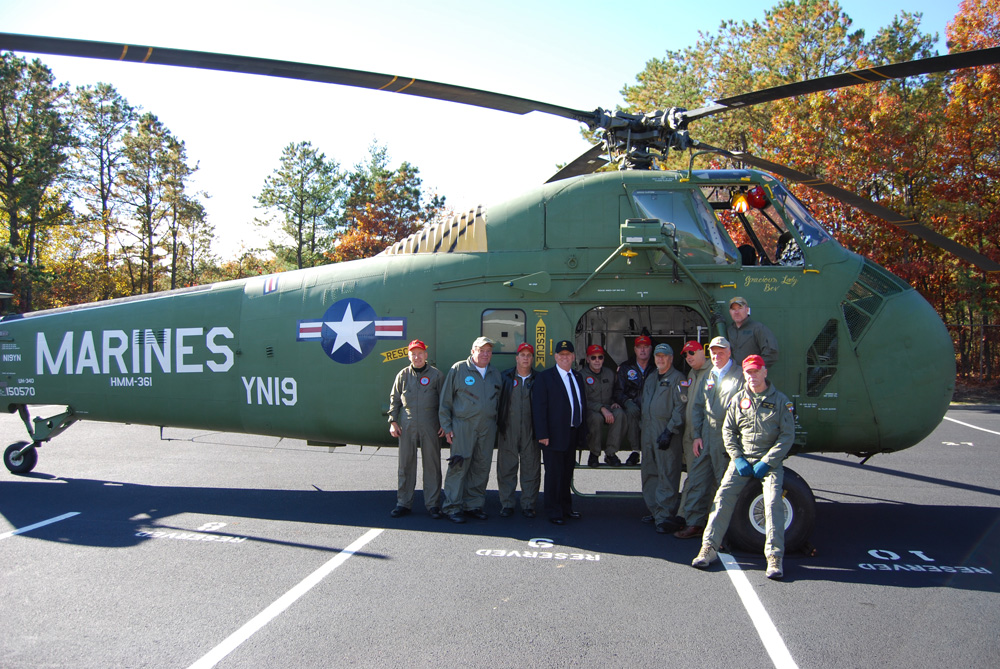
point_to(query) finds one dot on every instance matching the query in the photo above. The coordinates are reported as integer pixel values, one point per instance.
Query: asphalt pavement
(128, 548)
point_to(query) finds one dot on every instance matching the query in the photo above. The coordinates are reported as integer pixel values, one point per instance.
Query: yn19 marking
(271, 390)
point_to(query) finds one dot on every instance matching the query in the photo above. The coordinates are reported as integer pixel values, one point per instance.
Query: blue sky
(577, 54)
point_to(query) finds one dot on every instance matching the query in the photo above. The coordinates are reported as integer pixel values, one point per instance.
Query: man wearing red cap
(599, 384)
(413, 419)
(516, 445)
(758, 432)
(694, 354)
(628, 392)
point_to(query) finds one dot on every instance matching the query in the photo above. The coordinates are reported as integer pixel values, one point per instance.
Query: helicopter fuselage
(311, 354)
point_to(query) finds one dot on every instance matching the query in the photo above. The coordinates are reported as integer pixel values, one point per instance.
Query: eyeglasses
(597, 357)
(687, 353)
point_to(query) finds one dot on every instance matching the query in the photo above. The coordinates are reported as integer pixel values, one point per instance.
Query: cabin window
(699, 239)
(506, 327)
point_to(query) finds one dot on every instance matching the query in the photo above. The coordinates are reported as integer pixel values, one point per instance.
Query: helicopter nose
(908, 363)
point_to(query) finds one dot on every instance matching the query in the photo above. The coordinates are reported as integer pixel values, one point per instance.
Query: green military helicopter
(600, 257)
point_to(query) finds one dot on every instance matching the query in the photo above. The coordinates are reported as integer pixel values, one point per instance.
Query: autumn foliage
(926, 146)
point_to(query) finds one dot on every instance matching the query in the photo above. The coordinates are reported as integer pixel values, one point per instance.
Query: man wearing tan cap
(758, 432)
(748, 337)
(413, 419)
(708, 411)
(468, 413)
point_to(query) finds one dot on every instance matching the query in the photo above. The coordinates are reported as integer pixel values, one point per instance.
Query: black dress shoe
(506, 512)
(575, 515)
(633, 459)
(557, 521)
(612, 460)
(456, 518)
(528, 513)
(668, 527)
(593, 460)
(435, 512)
(477, 513)
(399, 511)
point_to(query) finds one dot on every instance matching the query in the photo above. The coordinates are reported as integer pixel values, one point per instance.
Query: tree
(34, 139)
(305, 190)
(970, 154)
(102, 118)
(382, 207)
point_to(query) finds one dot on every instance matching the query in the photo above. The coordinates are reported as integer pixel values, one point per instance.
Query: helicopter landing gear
(21, 457)
(746, 530)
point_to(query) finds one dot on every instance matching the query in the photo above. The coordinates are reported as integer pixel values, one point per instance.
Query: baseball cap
(663, 349)
(643, 340)
(564, 345)
(738, 300)
(482, 341)
(719, 342)
(595, 349)
(691, 346)
(525, 346)
(753, 362)
(416, 343)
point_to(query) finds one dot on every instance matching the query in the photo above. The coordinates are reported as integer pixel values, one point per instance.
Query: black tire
(746, 530)
(17, 462)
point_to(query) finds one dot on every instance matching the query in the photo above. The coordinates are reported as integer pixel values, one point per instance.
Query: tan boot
(706, 557)
(774, 567)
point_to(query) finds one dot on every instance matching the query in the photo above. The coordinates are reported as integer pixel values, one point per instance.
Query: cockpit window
(752, 214)
(699, 240)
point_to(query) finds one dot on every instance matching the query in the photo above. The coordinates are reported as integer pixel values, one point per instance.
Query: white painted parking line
(274, 610)
(766, 630)
(7, 535)
(974, 427)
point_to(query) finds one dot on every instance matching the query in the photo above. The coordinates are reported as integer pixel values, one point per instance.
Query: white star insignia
(347, 330)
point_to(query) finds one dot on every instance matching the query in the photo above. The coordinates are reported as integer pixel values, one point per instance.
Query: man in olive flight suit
(468, 414)
(599, 385)
(749, 337)
(694, 355)
(758, 432)
(516, 445)
(708, 411)
(628, 393)
(413, 419)
(662, 424)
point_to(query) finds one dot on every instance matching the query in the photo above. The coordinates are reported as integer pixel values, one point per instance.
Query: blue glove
(761, 469)
(743, 468)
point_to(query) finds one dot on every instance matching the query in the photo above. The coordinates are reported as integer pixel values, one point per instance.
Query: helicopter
(598, 257)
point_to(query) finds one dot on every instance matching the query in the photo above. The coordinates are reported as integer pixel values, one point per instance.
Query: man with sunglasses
(691, 388)
(599, 385)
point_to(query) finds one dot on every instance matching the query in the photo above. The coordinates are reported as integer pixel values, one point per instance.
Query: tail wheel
(18, 462)
(747, 528)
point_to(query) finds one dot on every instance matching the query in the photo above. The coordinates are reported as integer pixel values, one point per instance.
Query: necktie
(577, 418)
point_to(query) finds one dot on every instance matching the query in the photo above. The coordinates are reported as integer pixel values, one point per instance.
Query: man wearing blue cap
(661, 436)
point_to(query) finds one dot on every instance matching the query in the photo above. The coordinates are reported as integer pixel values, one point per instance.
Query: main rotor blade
(864, 204)
(287, 70)
(912, 68)
(589, 161)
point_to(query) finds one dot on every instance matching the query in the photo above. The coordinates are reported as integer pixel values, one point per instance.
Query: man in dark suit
(559, 405)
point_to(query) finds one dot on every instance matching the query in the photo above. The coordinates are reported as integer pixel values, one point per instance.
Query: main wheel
(747, 528)
(18, 462)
